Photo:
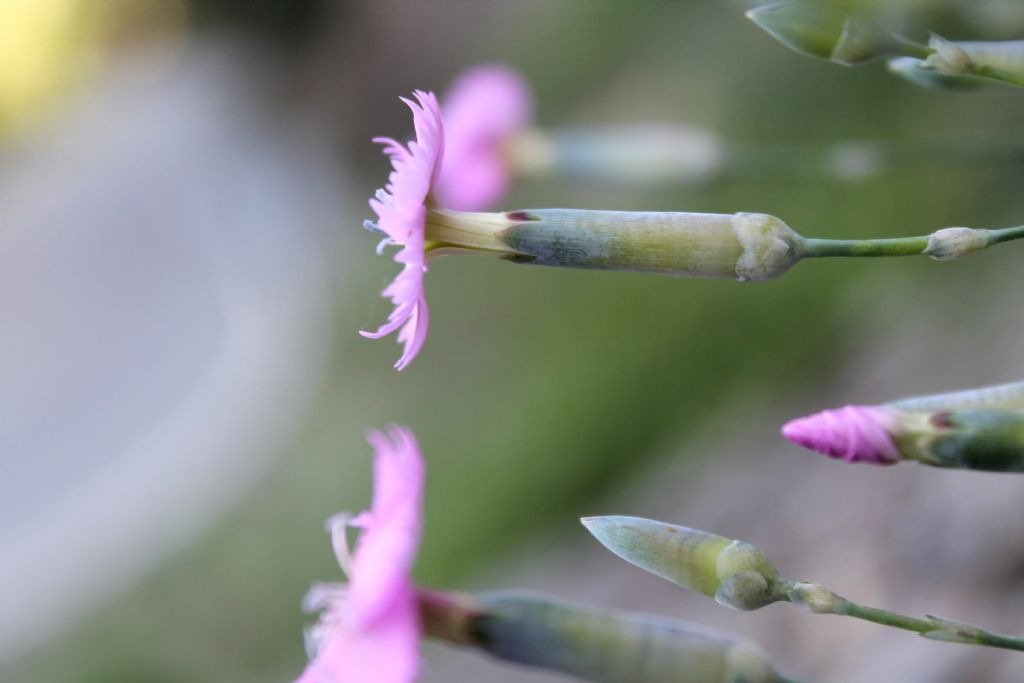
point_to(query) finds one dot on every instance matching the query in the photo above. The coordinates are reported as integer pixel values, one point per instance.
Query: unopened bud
(948, 58)
(612, 646)
(852, 433)
(997, 61)
(734, 573)
(953, 243)
(820, 29)
(977, 439)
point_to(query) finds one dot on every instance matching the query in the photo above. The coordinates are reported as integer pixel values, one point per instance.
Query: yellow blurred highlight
(49, 46)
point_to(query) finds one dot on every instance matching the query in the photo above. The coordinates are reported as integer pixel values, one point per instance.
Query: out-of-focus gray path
(164, 282)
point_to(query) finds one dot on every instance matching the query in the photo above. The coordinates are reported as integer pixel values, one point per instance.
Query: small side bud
(949, 631)
(953, 243)
(948, 58)
(815, 598)
(612, 646)
(821, 30)
(994, 62)
(734, 573)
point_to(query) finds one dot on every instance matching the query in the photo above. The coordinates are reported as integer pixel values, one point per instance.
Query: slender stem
(886, 618)
(898, 246)
(932, 628)
(1002, 642)
(1001, 75)
(911, 48)
(1006, 234)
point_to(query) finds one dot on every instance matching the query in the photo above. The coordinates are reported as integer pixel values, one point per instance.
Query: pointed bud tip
(801, 431)
(602, 526)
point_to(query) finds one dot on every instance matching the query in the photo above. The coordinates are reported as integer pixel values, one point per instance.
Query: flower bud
(970, 438)
(820, 29)
(948, 58)
(612, 646)
(965, 64)
(815, 598)
(734, 573)
(953, 243)
(852, 433)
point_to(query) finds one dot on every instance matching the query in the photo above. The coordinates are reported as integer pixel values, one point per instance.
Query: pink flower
(853, 433)
(401, 209)
(485, 107)
(369, 629)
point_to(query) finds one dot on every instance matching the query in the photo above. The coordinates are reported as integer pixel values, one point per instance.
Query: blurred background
(183, 393)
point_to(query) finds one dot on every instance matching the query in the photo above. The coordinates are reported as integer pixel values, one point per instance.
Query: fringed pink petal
(401, 212)
(387, 549)
(369, 630)
(386, 652)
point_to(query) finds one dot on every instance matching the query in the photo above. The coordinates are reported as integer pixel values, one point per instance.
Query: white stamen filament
(337, 525)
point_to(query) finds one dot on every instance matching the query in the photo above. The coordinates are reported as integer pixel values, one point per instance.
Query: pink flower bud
(853, 433)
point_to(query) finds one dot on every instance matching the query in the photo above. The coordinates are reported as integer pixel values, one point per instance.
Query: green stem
(886, 618)
(1002, 642)
(898, 246)
(911, 48)
(1001, 75)
(932, 628)
(1006, 234)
